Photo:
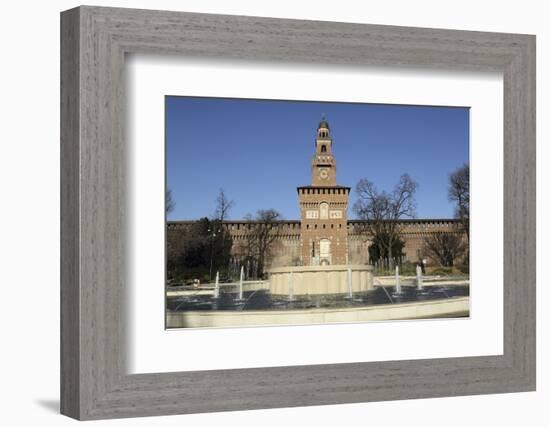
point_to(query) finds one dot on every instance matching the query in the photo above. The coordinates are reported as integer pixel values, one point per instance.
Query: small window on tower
(323, 148)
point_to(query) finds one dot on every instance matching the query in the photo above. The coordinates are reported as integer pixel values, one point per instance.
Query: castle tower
(323, 207)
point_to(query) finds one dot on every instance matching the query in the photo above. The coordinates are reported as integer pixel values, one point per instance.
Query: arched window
(323, 148)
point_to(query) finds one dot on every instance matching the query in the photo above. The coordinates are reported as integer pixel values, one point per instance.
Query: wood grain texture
(94, 382)
(70, 292)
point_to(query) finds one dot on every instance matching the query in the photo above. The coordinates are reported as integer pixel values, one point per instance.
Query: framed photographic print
(286, 205)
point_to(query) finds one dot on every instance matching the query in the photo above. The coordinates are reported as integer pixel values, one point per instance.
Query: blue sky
(259, 151)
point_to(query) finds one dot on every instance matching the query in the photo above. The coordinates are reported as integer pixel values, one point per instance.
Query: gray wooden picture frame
(94, 382)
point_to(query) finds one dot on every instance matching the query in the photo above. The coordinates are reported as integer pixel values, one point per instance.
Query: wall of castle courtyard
(287, 249)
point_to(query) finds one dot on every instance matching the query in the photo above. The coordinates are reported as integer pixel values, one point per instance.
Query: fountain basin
(320, 279)
(452, 307)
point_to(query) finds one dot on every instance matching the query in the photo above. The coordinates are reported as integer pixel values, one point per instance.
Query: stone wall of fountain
(451, 307)
(320, 280)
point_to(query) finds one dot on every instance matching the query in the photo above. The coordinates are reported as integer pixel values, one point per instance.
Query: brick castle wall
(287, 249)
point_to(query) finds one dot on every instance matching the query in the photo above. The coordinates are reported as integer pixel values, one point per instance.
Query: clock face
(323, 173)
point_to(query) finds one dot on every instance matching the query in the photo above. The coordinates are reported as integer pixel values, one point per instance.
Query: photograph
(261, 213)
(285, 212)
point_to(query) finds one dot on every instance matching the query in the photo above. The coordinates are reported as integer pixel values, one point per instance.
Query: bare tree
(223, 205)
(459, 192)
(444, 247)
(170, 204)
(263, 233)
(221, 241)
(382, 211)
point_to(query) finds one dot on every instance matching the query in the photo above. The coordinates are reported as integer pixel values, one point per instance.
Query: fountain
(419, 278)
(398, 289)
(240, 298)
(387, 294)
(290, 287)
(350, 284)
(318, 294)
(321, 279)
(217, 285)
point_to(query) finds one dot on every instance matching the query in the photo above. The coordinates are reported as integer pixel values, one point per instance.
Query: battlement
(354, 225)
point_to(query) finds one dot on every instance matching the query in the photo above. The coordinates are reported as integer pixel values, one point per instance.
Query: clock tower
(323, 207)
(323, 164)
